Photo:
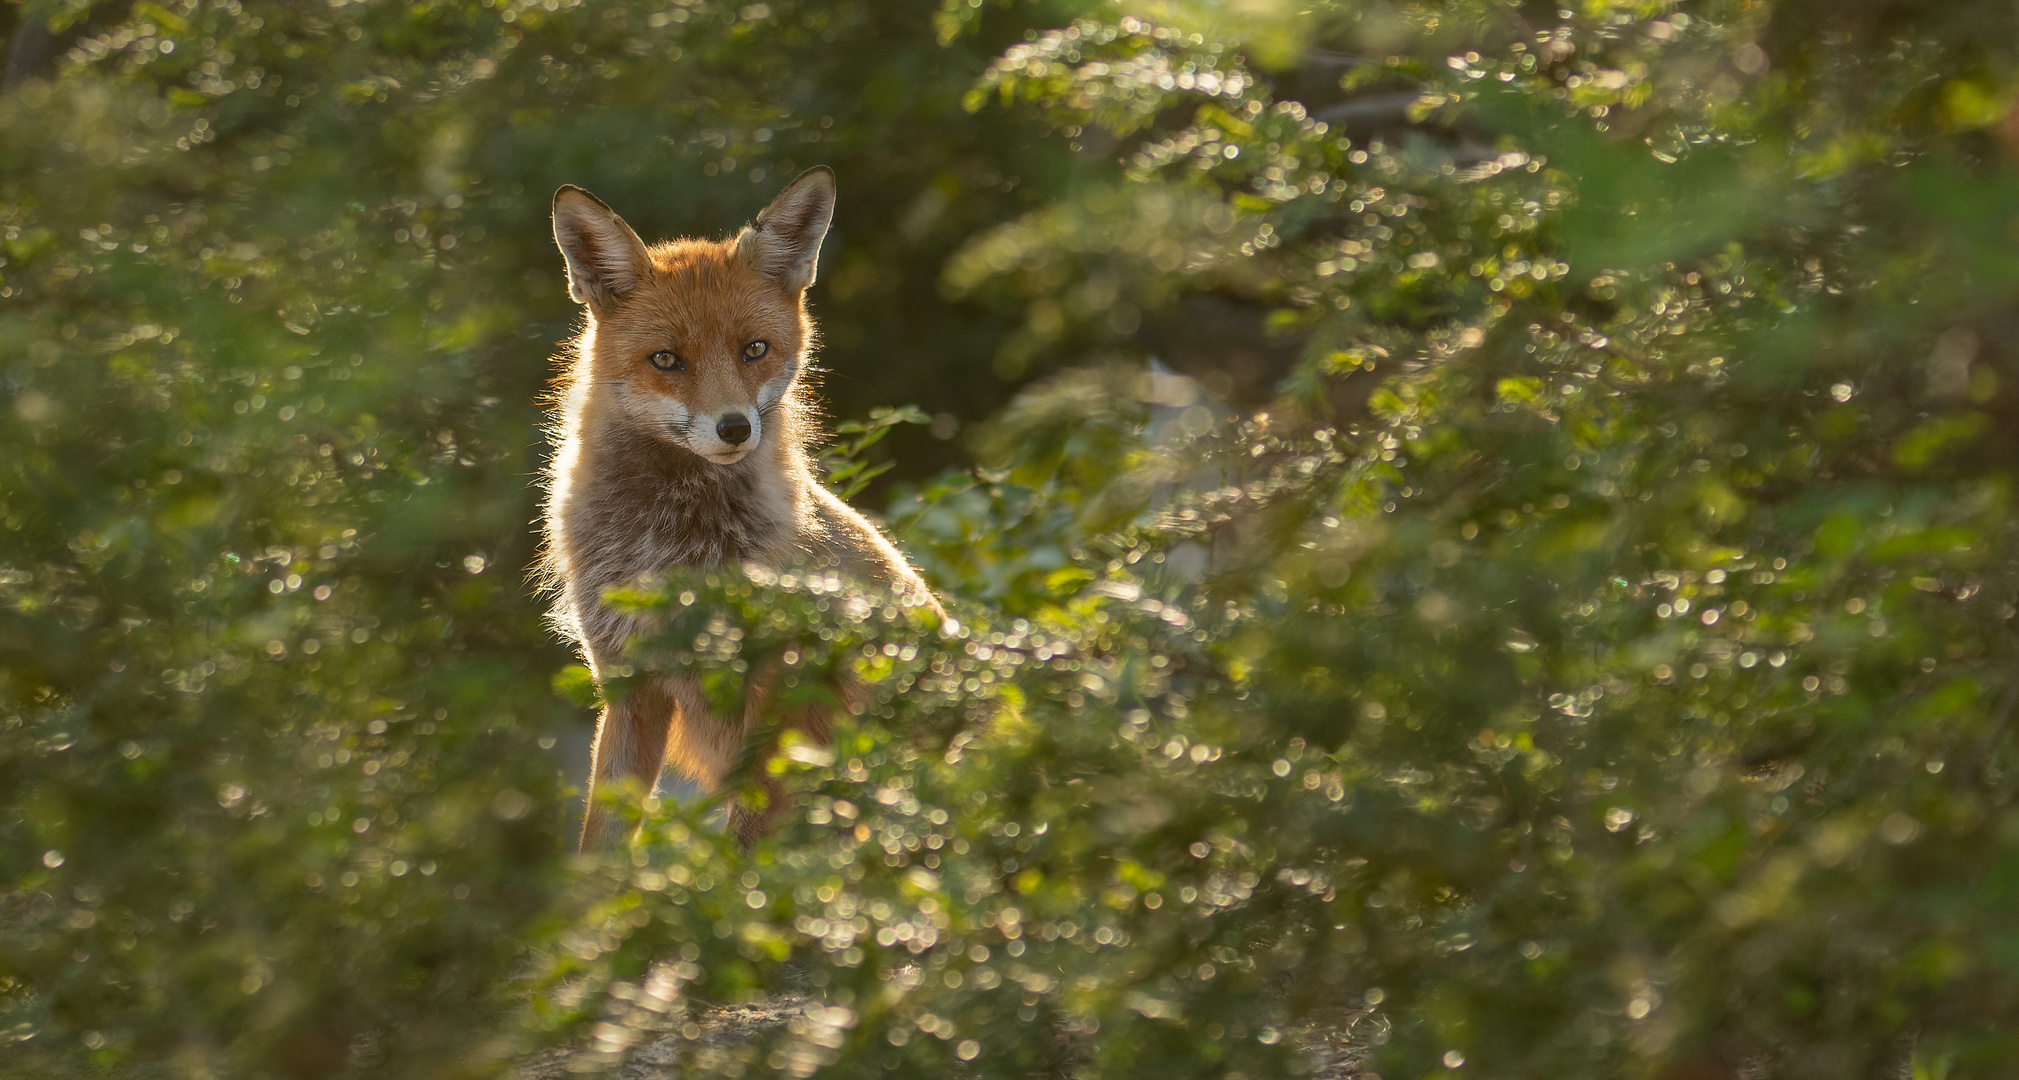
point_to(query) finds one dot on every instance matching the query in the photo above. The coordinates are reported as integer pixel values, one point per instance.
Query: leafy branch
(841, 462)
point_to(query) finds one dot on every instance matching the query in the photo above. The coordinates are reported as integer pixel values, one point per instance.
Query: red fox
(681, 429)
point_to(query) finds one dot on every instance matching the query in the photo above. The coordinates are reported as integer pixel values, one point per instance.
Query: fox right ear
(605, 258)
(784, 242)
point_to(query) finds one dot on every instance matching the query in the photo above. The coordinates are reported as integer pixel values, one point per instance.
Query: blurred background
(1483, 529)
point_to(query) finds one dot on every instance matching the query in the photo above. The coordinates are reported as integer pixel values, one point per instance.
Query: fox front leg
(629, 752)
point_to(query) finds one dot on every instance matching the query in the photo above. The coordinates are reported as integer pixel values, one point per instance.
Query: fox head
(698, 341)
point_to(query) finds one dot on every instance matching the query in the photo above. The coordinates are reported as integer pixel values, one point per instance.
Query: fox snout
(733, 434)
(733, 428)
(724, 434)
(723, 419)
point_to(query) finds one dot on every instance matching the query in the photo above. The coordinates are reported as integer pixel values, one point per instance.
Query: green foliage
(280, 729)
(1587, 650)
(848, 473)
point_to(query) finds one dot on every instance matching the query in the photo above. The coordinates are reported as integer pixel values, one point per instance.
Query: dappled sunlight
(1474, 538)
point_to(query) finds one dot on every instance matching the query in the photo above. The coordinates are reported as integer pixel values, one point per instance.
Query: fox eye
(666, 361)
(756, 350)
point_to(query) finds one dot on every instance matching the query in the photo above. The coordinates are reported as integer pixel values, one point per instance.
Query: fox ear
(784, 242)
(605, 258)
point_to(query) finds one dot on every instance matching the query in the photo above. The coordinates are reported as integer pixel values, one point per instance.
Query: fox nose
(733, 428)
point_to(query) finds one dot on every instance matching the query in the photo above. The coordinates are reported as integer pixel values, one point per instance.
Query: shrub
(1587, 653)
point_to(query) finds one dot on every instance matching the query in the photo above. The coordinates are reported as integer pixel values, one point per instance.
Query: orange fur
(681, 429)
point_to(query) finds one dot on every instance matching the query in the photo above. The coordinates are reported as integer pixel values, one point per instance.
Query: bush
(1586, 654)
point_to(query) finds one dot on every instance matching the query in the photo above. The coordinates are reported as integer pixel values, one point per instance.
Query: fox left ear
(784, 242)
(605, 258)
